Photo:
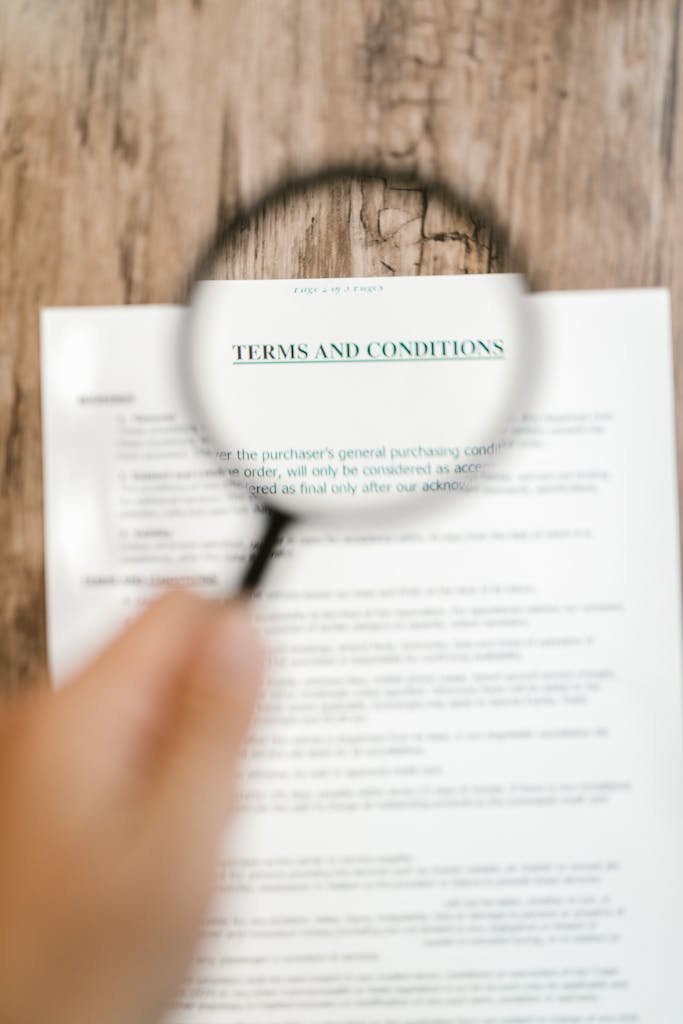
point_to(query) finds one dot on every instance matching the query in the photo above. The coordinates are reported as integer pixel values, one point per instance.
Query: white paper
(463, 800)
(395, 365)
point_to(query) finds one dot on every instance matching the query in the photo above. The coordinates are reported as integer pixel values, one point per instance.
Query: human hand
(113, 797)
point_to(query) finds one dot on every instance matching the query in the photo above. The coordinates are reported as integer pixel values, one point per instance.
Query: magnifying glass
(351, 398)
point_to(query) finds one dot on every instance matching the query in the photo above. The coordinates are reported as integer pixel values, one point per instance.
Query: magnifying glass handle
(275, 524)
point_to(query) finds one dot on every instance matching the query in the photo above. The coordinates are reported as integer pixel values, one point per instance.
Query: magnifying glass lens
(348, 396)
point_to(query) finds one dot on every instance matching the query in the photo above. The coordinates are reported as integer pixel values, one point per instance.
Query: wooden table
(127, 125)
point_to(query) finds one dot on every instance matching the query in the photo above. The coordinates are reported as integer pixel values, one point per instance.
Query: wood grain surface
(128, 126)
(356, 223)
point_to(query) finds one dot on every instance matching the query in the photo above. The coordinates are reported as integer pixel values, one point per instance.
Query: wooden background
(127, 126)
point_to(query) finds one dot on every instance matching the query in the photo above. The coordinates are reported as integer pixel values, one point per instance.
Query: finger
(156, 646)
(121, 704)
(216, 703)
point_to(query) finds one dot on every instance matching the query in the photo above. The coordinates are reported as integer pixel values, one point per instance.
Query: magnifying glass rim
(228, 231)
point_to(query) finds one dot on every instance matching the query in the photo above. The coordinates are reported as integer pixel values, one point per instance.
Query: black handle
(275, 524)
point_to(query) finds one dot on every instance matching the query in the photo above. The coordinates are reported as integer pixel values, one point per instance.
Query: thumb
(215, 704)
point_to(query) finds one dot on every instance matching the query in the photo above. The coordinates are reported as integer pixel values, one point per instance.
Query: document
(463, 799)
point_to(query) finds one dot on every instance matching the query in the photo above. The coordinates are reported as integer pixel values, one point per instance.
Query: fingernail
(236, 645)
